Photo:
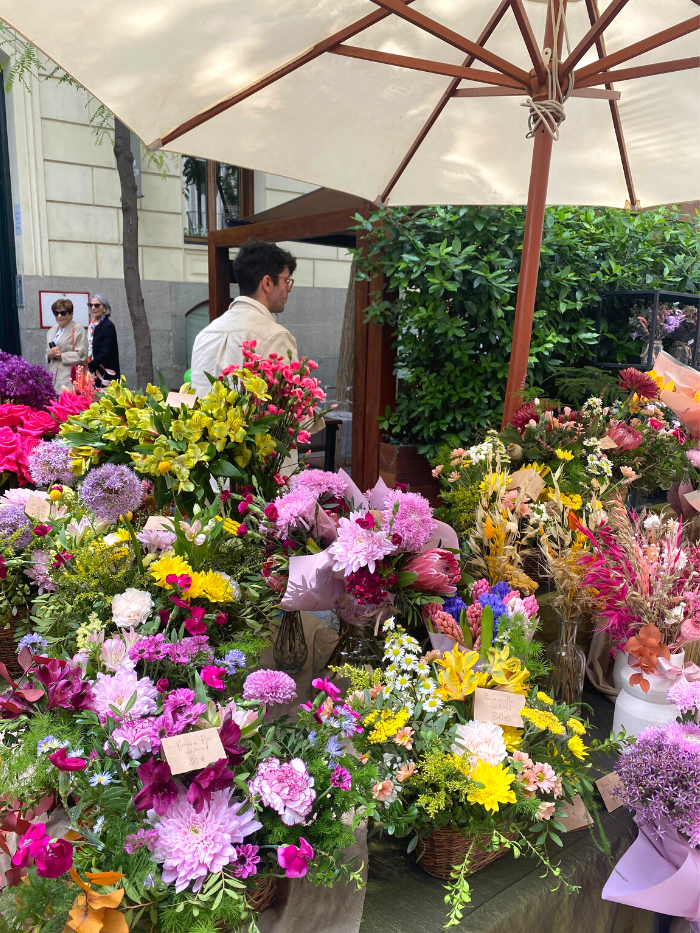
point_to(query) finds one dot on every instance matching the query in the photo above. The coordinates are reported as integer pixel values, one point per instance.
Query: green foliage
(23, 773)
(454, 273)
(575, 384)
(39, 904)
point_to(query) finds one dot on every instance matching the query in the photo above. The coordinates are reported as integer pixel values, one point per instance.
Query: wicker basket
(439, 852)
(8, 651)
(263, 895)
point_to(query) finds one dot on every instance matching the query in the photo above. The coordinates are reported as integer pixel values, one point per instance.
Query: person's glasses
(61, 313)
(288, 282)
(94, 304)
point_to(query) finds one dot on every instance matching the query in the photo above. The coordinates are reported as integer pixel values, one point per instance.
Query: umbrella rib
(523, 22)
(641, 71)
(592, 6)
(639, 48)
(442, 103)
(422, 64)
(455, 39)
(314, 52)
(596, 30)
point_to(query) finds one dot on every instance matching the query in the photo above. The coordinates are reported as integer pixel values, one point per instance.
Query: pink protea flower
(438, 572)
(295, 859)
(117, 690)
(625, 438)
(269, 687)
(190, 846)
(544, 777)
(286, 788)
(413, 522)
(357, 547)
(480, 741)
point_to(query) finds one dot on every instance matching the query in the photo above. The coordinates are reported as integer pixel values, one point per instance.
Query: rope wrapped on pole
(550, 113)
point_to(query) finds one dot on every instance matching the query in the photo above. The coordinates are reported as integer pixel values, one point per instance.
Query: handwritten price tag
(607, 443)
(175, 399)
(529, 481)
(192, 751)
(158, 522)
(37, 508)
(693, 498)
(499, 707)
(606, 785)
(576, 815)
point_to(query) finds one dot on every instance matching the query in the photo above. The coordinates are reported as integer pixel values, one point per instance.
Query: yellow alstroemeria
(265, 444)
(507, 673)
(457, 679)
(255, 385)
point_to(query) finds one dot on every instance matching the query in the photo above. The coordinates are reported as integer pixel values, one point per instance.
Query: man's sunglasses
(62, 313)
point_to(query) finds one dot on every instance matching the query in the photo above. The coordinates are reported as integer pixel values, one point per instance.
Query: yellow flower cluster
(388, 724)
(545, 698)
(573, 502)
(84, 631)
(564, 454)
(496, 788)
(576, 726)
(458, 679)
(543, 719)
(207, 585)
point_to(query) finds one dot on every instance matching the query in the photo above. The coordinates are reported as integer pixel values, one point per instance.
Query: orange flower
(646, 647)
(383, 790)
(404, 737)
(93, 912)
(405, 771)
(488, 528)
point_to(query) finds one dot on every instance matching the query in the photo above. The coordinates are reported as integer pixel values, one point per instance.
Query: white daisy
(402, 682)
(432, 704)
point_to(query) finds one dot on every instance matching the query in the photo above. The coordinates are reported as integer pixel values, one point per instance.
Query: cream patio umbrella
(406, 101)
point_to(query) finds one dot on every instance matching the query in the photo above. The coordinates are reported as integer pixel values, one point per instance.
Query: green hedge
(454, 274)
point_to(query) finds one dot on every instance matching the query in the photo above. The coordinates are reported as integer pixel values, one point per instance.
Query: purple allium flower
(191, 845)
(25, 383)
(341, 779)
(117, 691)
(232, 661)
(286, 788)
(660, 777)
(36, 643)
(111, 490)
(413, 522)
(245, 862)
(357, 547)
(50, 462)
(685, 695)
(318, 482)
(13, 519)
(269, 687)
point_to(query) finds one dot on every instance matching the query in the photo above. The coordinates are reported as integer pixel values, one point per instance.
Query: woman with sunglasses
(66, 345)
(102, 339)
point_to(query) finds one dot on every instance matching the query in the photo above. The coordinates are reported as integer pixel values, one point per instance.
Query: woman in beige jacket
(66, 345)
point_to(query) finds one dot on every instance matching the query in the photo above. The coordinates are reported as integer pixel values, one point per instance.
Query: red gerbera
(635, 381)
(523, 415)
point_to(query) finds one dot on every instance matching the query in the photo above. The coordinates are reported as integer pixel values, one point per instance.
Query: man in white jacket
(264, 275)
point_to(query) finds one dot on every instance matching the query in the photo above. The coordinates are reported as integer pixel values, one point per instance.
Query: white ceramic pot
(635, 709)
(620, 661)
(440, 642)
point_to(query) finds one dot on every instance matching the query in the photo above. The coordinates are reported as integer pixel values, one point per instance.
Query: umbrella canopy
(336, 92)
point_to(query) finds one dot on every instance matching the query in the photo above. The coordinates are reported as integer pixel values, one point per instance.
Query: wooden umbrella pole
(529, 269)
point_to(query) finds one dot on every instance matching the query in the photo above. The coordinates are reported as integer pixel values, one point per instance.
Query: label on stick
(175, 399)
(37, 508)
(192, 751)
(156, 522)
(576, 815)
(606, 785)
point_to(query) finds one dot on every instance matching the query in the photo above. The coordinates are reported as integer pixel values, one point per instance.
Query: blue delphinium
(232, 661)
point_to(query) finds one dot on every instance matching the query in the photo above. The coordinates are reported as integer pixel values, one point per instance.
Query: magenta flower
(141, 735)
(295, 860)
(61, 761)
(211, 675)
(340, 778)
(139, 839)
(30, 845)
(42, 530)
(245, 862)
(269, 687)
(230, 735)
(117, 690)
(162, 685)
(221, 618)
(55, 860)
(213, 777)
(195, 623)
(327, 686)
(158, 790)
(64, 685)
(413, 521)
(286, 788)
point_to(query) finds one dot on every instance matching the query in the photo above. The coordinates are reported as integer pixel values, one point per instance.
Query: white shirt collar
(256, 305)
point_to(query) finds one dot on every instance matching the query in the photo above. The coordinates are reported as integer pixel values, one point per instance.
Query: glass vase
(568, 664)
(290, 651)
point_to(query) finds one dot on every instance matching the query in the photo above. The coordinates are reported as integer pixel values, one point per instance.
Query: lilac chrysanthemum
(269, 687)
(685, 695)
(286, 788)
(413, 522)
(296, 506)
(320, 481)
(111, 490)
(25, 383)
(117, 691)
(13, 519)
(357, 547)
(190, 846)
(50, 462)
(39, 572)
(660, 777)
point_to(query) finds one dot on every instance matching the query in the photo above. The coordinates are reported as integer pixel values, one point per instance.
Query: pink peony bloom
(357, 547)
(190, 846)
(480, 741)
(413, 522)
(131, 608)
(269, 687)
(117, 691)
(438, 572)
(295, 860)
(286, 788)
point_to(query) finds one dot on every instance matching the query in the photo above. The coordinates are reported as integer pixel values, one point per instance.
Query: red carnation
(524, 415)
(635, 381)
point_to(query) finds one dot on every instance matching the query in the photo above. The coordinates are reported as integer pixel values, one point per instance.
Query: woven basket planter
(263, 895)
(8, 651)
(439, 852)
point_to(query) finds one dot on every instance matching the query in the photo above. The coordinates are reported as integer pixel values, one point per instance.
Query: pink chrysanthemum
(190, 845)
(413, 523)
(319, 481)
(286, 788)
(296, 506)
(358, 547)
(480, 741)
(269, 687)
(117, 691)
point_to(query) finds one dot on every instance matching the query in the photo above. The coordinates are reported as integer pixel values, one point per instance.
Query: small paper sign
(607, 443)
(37, 508)
(499, 707)
(528, 481)
(175, 399)
(158, 522)
(606, 785)
(693, 498)
(192, 751)
(576, 815)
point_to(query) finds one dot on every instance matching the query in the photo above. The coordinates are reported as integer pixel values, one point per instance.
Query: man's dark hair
(257, 259)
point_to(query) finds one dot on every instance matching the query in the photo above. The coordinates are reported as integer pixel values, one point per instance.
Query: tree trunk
(346, 354)
(130, 238)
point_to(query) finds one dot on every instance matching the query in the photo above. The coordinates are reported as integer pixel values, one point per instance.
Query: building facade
(66, 217)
